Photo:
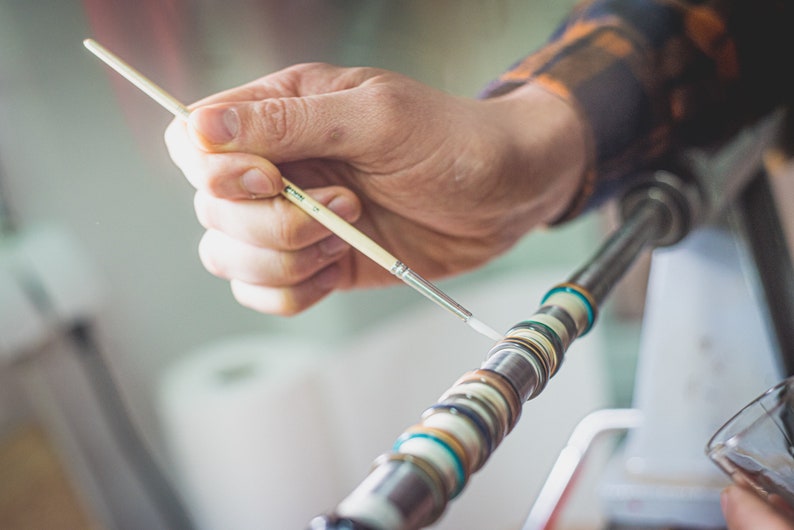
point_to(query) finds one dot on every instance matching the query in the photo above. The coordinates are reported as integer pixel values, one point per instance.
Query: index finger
(307, 79)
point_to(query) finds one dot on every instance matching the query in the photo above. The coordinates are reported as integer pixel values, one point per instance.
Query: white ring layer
(574, 306)
(484, 414)
(462, 430)
(437, 455)
(489, 394)
(539, 340)
(555, 325)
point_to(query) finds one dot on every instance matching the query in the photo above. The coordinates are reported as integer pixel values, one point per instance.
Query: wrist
(548, 149)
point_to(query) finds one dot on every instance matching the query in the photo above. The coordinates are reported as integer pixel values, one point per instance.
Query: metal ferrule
(430, 291)
(398, 269)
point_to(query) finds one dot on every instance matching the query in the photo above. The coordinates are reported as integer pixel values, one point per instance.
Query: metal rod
(621, 250)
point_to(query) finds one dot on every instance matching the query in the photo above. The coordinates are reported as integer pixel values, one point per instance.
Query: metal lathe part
(659, 211)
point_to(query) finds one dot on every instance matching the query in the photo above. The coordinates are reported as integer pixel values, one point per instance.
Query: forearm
(649, 76)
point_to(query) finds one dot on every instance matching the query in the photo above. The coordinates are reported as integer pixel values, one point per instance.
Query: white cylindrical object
(247, 431)
(705, 352)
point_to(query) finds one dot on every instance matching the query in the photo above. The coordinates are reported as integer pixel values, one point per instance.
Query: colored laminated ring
(448, 438)
(438, 437)
(583, 295)
(561, 316)
(546, 344)
(489, 416)
(430, 471)
(472, 417)
(506, 391)
(523, 372)
(534, 348)
(546, 331)
(500, 415)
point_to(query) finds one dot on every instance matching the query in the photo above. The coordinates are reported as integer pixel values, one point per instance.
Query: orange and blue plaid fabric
(652, 75)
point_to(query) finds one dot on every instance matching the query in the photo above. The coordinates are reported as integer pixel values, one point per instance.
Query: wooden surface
(35, 493)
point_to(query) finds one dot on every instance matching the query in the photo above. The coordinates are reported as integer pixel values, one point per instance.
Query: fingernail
(255, 182)
(216, 125)
(342, 206)
(332, 246)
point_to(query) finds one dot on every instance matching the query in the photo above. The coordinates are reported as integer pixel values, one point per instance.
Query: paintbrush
(300, 198)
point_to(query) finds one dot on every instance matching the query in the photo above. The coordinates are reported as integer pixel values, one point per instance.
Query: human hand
(744, 510)
(442, 182)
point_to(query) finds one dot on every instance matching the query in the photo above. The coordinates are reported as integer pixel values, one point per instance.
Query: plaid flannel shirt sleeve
(651, 75)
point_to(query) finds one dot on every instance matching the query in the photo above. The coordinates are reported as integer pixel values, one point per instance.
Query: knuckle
(216, 181)
(288, 236)
(280, 120)
(388, 99)
(215, 184)
(287, 231)
(301, 69)
(285, 268)
(274, 117)
(388, 107)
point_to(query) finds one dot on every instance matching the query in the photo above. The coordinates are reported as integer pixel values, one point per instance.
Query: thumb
(282, 129)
